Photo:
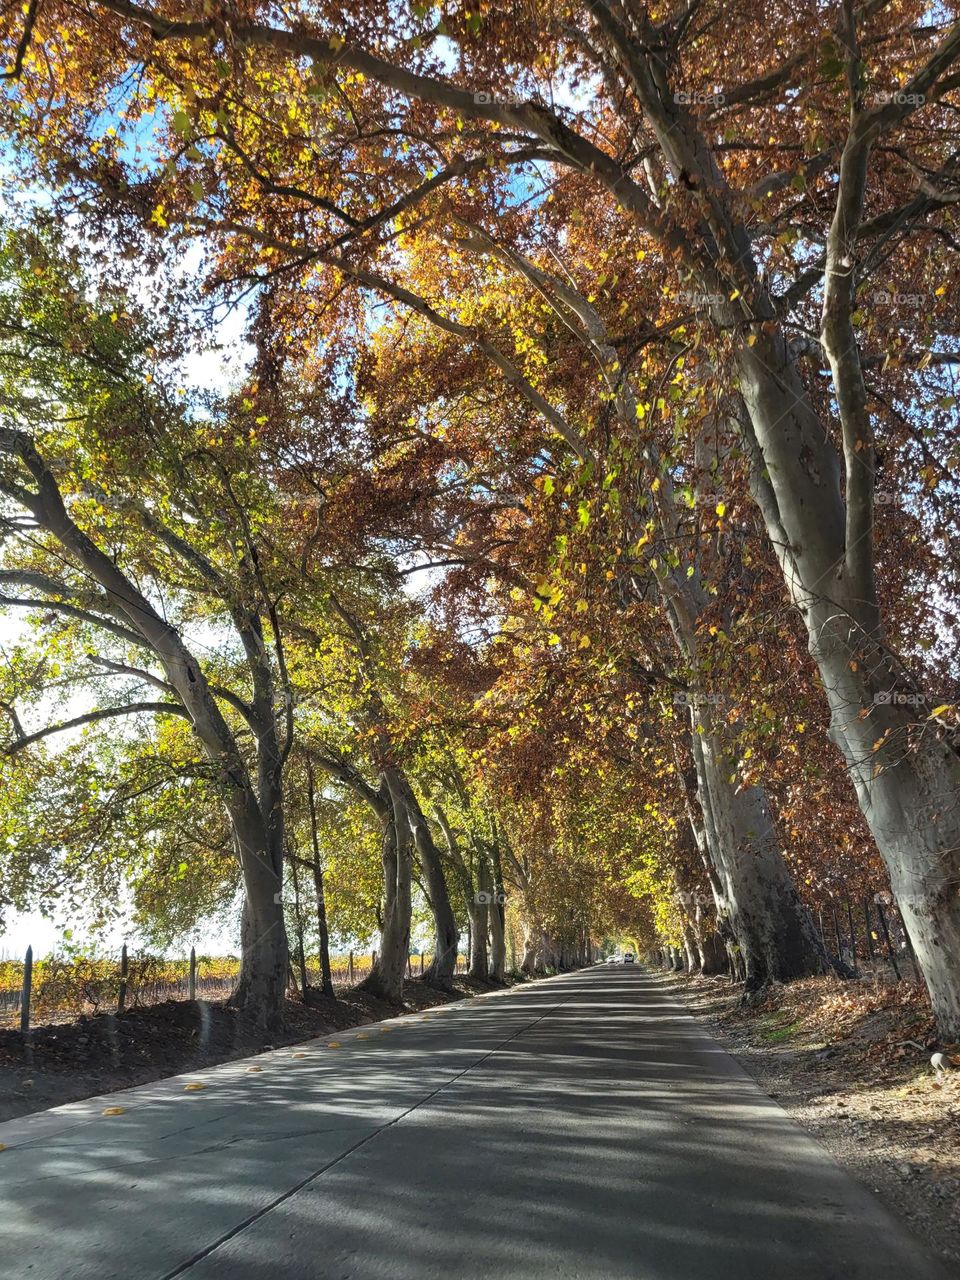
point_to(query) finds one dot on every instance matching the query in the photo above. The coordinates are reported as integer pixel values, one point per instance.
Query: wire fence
(60, 989)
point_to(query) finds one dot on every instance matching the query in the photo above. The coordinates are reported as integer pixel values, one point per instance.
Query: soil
(850, 1062)
(100, 1054)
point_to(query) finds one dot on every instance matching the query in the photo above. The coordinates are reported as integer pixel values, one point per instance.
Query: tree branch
(93, 717)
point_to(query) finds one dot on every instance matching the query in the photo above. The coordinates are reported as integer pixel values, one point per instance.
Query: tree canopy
(575, 551)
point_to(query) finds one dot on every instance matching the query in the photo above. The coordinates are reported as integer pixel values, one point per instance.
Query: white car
(629, 958)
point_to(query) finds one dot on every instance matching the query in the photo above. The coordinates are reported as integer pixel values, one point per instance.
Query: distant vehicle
(612, 960)
(629, 958)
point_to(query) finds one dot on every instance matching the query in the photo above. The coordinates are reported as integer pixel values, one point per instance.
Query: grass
(780, 1032)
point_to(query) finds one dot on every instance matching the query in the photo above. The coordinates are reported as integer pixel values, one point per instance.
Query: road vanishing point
(583, 1127)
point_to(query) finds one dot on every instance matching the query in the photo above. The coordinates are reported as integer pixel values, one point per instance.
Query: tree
(76, 385)
(738, 215)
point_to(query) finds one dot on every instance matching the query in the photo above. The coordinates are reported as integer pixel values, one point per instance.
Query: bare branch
(94, 717)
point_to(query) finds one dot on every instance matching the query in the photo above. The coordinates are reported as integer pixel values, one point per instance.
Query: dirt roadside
(67, 1062)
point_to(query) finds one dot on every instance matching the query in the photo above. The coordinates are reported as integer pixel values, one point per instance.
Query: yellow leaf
(938, 711)
(113, 1111)
(193, 1088)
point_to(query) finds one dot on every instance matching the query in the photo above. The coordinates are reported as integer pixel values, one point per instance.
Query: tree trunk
(264, 952)
(689, 944)
(386, 976)
(528, 963)
(479, 964)
(907, 777)
(323, 931)
(774, 932)
(909, 791)
(498, 947)
(715, 958)
(326, 974)
(298, 917)
(447, 933)
(480, 910)
(712, 955)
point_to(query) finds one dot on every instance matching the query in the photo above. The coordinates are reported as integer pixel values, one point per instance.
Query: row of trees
(626, 331)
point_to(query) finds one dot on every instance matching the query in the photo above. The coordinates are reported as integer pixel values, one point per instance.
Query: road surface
(583, 1127)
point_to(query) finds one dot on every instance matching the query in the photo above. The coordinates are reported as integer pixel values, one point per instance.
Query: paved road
(582, 1127)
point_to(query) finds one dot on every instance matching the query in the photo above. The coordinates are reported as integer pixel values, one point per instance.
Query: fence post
(886, 937)
(373, 959)
(836, 933)
(350, 968)
(192, 979)
(421, 964)
(409, 966)
(866, 919)
(853, 939)
(124, 970)
(25, 993)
